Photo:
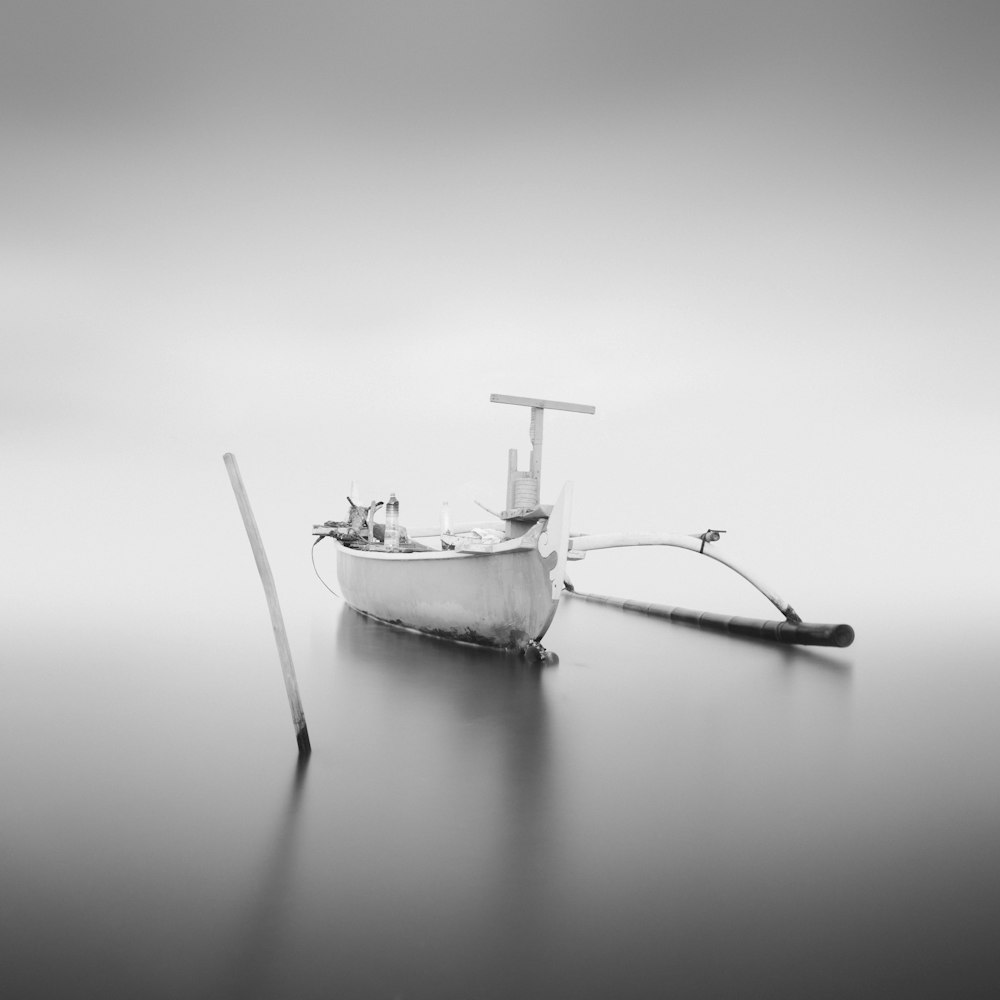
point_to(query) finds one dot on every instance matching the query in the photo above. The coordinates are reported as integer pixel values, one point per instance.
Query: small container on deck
(392, 522)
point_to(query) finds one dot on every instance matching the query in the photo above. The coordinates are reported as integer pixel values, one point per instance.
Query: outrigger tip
(842, 636)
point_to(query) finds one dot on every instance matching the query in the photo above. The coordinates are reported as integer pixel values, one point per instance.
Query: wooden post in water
(271, 593)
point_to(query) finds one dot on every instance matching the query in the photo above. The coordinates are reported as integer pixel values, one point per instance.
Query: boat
(499, 583)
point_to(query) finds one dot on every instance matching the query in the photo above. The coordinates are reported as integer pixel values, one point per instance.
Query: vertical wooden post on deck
(538, 408)
(511, 476)
(537, 426)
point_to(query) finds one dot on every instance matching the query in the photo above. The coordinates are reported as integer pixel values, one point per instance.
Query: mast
(524, 487)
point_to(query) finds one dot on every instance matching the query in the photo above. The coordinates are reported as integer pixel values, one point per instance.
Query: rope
(312, 553)
(525, 493)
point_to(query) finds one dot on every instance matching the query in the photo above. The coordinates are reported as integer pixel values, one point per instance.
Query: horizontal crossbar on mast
(546, 404)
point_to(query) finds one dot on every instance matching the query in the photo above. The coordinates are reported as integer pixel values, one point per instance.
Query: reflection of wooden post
(271, 593)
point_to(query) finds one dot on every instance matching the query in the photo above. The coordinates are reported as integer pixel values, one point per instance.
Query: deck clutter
(499, 583)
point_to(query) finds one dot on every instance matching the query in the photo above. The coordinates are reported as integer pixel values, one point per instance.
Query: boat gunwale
(431, 554)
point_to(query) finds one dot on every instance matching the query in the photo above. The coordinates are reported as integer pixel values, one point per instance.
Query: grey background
(760, 238)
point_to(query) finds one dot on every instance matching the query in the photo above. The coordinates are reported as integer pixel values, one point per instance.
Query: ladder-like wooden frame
(534, 470)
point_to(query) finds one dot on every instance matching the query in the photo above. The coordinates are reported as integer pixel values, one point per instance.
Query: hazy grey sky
(745, 231)
(125, 62)
(761, 236)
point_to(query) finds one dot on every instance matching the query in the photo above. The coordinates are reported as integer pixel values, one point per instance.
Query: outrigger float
(499, 584)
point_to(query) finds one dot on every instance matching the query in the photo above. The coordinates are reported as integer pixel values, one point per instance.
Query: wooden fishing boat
(499, 584)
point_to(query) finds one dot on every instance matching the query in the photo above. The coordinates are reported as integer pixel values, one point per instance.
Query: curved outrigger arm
(791, 630)
(693, 543)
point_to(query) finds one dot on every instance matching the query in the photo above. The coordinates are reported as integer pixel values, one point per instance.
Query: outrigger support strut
(792, 630)
(693, 543)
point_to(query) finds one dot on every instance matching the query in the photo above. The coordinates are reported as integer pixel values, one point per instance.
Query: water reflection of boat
(499, 583)
(461, 760)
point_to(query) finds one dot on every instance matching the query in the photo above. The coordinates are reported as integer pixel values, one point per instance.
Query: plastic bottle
(445, 518)
(392, 522)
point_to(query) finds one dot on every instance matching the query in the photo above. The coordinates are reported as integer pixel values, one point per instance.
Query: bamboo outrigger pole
(788, 632)
(271, 593)
(792, 630)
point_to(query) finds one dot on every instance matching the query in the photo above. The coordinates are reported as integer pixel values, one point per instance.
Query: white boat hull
(501, 599)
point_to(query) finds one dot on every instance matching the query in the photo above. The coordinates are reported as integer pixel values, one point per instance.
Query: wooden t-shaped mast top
(538, 408)
(541, 404)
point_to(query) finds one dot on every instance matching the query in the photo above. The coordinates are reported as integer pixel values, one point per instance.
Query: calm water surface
(664, 812)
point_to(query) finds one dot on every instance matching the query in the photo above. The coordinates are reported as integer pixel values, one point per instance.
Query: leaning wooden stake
(277, 622)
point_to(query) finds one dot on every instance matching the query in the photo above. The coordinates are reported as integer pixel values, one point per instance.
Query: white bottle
(445, 518)
(392, 523)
